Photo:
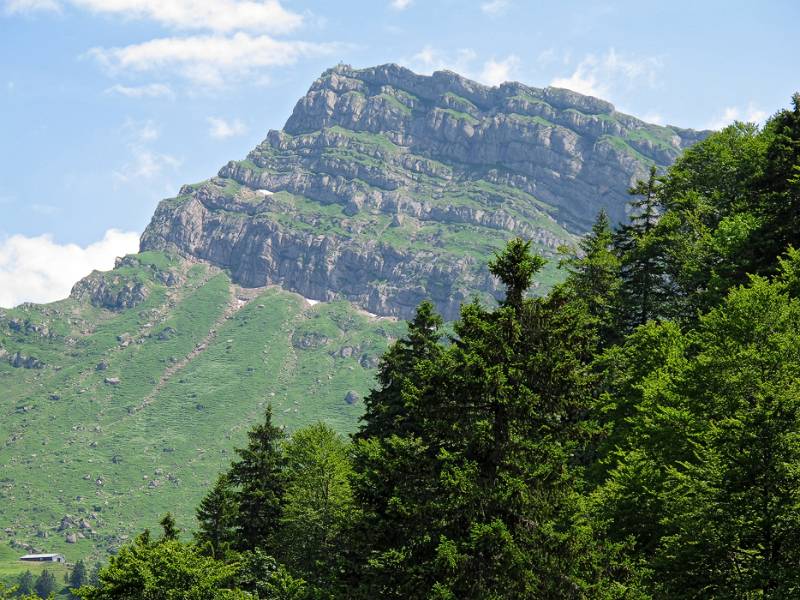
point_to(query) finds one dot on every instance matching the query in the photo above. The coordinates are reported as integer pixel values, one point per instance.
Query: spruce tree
(78, 576)
(780, 187)
(480, 501)
(594, 278)
(25, 583)
(385, 412)
(45, 584)
(258, 476)
(641, 263)
(216, 518)
(169, 528)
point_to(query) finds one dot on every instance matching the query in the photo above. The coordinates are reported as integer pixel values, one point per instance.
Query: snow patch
(264, 192)
(310, 301)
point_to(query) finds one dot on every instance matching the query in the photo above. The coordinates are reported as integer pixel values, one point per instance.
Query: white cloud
(495, 7)
(38, 269)
(215, 15)
(150, 90)
(495, 72)
(652, 117)
(599, 75)
(465, 62)
(25, 6)
(430, 59)
(209, 60)
(140, 132)
(401, 4)
(222, 129)
(145, 164)
(749, 114)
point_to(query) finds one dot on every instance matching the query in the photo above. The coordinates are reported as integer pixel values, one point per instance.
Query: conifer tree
(780, 187)
(486, 505)
(45, 584)
(384, 408)
(594, 278)
(216, 518)
(258, 476)
(643, 280)
(25, 583)
(78, 577)
(169, 527)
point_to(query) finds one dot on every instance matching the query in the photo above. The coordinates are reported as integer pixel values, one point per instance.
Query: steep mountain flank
(386, 187)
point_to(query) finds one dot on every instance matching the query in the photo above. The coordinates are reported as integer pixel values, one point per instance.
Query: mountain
(384, 188)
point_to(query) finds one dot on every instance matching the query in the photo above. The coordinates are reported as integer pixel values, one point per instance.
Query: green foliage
(259, 477)
(318, 500)
(594, 278)
(25, 583)
(217, 516)
(45, 584)
(474, 495)
(169, 528)
(164, 569)
(78, 577)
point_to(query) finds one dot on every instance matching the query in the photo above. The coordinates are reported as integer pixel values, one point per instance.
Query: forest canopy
(633, 434)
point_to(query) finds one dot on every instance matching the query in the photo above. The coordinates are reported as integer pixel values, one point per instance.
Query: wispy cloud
(431, 59)
(495, 7)
(495, 72)
(150, 90)
(401, 4)
(12, 7)
(748, 114)
(145, 164)
(600, 75)
(140, 132)
(215, 15)
(222, 129)
(38, 269)
(209, 60)
(465, 62)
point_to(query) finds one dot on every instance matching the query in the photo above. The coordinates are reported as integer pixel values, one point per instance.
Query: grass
(534, 120)
(461, 116)
(621, 145)
(395, 103)
(169, 420)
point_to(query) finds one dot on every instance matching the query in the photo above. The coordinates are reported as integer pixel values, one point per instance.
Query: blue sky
(107, 106)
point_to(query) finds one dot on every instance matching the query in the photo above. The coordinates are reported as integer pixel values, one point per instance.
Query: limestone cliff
(386, 187)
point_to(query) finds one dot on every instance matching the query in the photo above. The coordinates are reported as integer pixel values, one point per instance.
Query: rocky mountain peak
(386, 187)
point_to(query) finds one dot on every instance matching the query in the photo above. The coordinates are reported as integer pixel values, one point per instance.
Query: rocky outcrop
(22, 361)
(386, 187)
(110, 290)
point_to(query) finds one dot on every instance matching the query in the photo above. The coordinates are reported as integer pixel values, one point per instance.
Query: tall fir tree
(259, 479)
(217, 517)
(780, 187)
(642, 289)
(78, 576)
(490, 508)
(593, 277)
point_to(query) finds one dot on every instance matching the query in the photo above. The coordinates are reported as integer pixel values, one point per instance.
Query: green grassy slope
(184, 376)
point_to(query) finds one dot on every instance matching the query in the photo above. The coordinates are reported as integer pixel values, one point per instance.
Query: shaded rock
(352, 397)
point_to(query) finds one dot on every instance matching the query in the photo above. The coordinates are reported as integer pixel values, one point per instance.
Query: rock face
(386, 187)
